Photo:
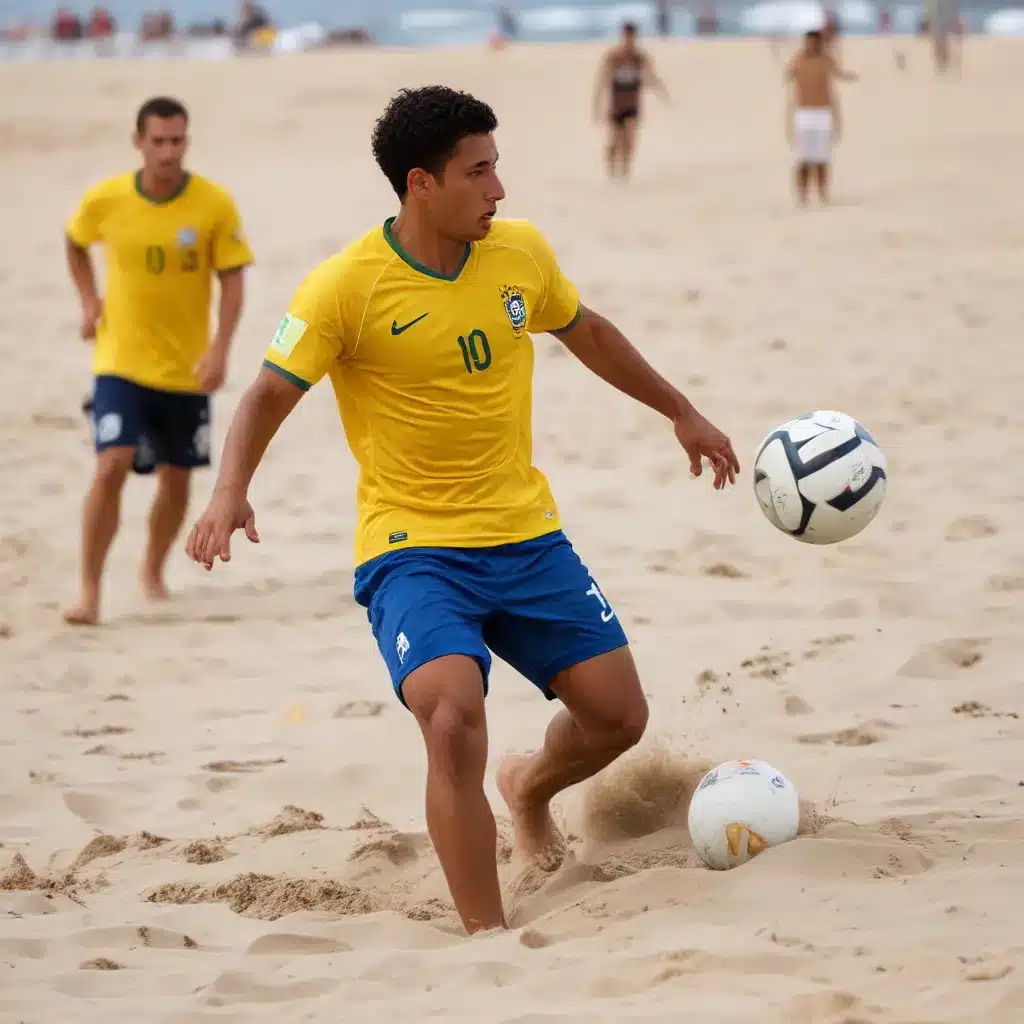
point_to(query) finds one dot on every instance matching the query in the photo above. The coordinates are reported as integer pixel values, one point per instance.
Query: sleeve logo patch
(289, 331)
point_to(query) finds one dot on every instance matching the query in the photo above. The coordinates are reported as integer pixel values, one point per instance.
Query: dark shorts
(620, 117)
(534, 604)
(164, 427)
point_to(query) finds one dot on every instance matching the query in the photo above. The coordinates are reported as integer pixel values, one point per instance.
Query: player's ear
(418, 181)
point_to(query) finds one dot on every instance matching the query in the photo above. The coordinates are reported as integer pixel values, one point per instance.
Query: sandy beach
(211, 810)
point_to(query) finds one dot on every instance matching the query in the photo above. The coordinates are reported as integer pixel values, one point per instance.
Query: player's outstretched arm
(263, 408)
(603, 349)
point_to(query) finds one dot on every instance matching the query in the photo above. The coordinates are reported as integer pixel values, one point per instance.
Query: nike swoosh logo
(396, 330)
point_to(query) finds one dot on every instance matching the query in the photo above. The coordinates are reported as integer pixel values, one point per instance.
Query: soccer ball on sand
(820, 477)
(740, 809)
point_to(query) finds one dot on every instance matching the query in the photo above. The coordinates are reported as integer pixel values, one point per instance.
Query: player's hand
(703, 440)
(92, 313)
(212, 369)
(211, 536)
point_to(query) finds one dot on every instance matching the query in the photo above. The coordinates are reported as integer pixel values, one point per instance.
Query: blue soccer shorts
(534, 604)
(164, 427)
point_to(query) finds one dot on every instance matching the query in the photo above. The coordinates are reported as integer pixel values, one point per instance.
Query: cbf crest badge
(515, 308)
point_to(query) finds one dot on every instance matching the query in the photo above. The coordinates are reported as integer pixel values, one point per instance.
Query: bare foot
(83, 613)
(154, 588)
(537, 837)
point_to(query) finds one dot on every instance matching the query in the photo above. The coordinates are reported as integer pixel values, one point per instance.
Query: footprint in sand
(971, 528)
(360, 709)
(945, 659)
(399, 848)
(768, 664)
(241, 767)
(855, 736)
(102, 730)
(101, 963)
(235, 987)
(1005, 584)
(295, 943)
(725, 571)
(797, 706)
(975, 709)
(823, 643)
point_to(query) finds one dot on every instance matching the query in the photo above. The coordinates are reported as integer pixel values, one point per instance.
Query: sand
(212, 809)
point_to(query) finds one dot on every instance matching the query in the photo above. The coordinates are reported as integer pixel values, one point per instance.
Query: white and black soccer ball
(820, 477)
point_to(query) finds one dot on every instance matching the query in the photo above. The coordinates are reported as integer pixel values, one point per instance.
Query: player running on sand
(423, 326)
(165, 232)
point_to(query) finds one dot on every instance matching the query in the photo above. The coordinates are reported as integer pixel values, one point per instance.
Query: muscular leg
(447, 698)
(99, 525)
(605, 714)
(165, 519)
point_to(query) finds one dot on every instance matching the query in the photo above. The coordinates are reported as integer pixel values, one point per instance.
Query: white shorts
(812, 134)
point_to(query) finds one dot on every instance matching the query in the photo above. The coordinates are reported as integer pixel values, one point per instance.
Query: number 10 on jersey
(476, 353)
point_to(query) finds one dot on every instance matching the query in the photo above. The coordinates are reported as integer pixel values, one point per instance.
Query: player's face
(162, 145)
(466, 198)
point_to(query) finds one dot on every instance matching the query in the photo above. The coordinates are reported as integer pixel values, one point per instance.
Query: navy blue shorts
(164, 427)
(534, 604)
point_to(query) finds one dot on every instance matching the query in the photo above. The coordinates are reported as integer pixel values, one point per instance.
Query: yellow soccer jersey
(160, 258)
(434, 376)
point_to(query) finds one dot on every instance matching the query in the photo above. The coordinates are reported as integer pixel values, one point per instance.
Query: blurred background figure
(157, 26)
(255, 30)
(662, 15)
(66, 26)
(101, 24)
(625, 72)
(707, 21)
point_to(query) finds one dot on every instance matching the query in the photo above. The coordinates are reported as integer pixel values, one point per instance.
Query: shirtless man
(812, 113)
(624, 72)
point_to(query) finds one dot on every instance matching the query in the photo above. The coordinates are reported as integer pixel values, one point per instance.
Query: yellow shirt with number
(433, 376)
(160, 259)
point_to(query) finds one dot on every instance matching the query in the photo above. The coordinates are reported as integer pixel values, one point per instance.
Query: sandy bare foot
(82, 613)
(154, 589)
(536, 835)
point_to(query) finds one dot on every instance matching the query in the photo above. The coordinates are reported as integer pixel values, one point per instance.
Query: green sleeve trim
(287, 374)
(572, 323)
(234, 268)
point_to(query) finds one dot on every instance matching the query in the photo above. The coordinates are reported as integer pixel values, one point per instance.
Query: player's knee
(632, 723)
(455, 735)
(174, 482)
(113, 467)
(622, 727)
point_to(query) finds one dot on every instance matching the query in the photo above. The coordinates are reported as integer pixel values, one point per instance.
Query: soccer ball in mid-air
(740, 809)
(820, 477)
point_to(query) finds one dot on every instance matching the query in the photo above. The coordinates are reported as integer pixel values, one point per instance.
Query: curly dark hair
(422, 127)
(158, 106)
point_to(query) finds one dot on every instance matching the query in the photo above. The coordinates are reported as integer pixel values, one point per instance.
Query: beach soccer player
(812, 113)
(625, 72)
(424, 328)
(166, 232)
